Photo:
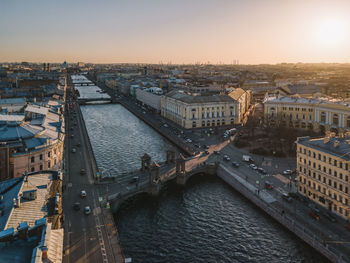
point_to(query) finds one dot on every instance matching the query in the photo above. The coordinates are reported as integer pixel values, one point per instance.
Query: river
(206, 221)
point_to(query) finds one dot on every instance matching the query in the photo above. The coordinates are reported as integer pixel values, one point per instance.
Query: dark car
(262, 171)
(82, 171)
(207, 152)
(235, 164)
(314, 214)
(76, 206)
(216, 152)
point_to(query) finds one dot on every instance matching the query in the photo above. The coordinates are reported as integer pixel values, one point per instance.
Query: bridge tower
(145, 162)
(154, 179)
(181, 170)
(170, 156)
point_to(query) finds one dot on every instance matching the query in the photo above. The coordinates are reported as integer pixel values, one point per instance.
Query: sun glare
(332, 32)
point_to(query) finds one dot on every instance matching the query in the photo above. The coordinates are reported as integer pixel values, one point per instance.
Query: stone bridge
(153, 176)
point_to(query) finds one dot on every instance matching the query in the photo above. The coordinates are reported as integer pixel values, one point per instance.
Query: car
(206, 152)
(189, 140)
(87, 210)
(82, 193)
(268, 185)
(74, 150)
(262, 171)
(206, 147)
(78, 144)
(166, 125)
(82, 171)
(227, 158)
(287, 198)
(217, 152)
(253, 166)
(72, 136)
(287, 172)
(314, 214)
(235, 164)
(76, 206)
(197, 146)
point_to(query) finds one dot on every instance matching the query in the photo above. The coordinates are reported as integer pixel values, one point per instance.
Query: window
(41, 167)
(194, 124)
(348, 122)
(335, 173)
(32, 159)
(335, 119)
(32, 169)
(48, 164)
(41, 157)
(323, 116)
(341, 176)
(340, 187)
(335, 162)
(49, 154)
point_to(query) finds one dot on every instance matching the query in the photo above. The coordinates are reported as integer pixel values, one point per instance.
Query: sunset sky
(181, 31)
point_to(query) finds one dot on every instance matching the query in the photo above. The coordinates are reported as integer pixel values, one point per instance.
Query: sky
(181, 31)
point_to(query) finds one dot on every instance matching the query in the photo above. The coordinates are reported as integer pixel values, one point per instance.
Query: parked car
(253, 166)
(82, 193)
(76, 206)
(235, 164)
(82, 171)
(287, 198)
(74, 150)
(87, 210)
(217, 152)
(206, 152)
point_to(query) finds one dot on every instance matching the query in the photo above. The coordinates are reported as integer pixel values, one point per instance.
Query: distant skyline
(154, 31)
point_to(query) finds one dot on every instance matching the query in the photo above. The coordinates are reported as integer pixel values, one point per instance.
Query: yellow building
(323, 167)
(194, 111)
(314, 114)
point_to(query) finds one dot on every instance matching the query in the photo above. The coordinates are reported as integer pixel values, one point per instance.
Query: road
(86, 239)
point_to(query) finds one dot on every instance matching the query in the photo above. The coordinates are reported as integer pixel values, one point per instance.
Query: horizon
(196, 32)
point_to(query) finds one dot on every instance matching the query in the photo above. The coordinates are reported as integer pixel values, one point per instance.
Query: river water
(206, 221)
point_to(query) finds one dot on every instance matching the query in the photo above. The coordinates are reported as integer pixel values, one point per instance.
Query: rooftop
(31, 210)
(336, 146)
(290, 99)
(188, 98)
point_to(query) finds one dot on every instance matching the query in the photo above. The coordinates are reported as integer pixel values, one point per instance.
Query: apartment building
(320, 115)
(31, 142)
(194, 111)
(323, 167)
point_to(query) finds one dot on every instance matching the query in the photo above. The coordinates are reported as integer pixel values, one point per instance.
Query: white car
(287, 172)
(83, 194)
(253, 166)
(189, 140)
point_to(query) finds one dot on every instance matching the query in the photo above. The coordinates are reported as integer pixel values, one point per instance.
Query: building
(28, 233)
(323, 167)
(194, 111)
(31, 142)
(320, 115)
(150, 97)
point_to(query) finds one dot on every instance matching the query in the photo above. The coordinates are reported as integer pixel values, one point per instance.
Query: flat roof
(336, 146)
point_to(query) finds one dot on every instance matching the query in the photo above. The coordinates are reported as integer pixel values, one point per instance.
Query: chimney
(336, 144)
(48, 67)
(44, 67)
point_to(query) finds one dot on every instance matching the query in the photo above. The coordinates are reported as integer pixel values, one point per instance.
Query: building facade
(323, 167)
(320, 115)
(198, 111)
